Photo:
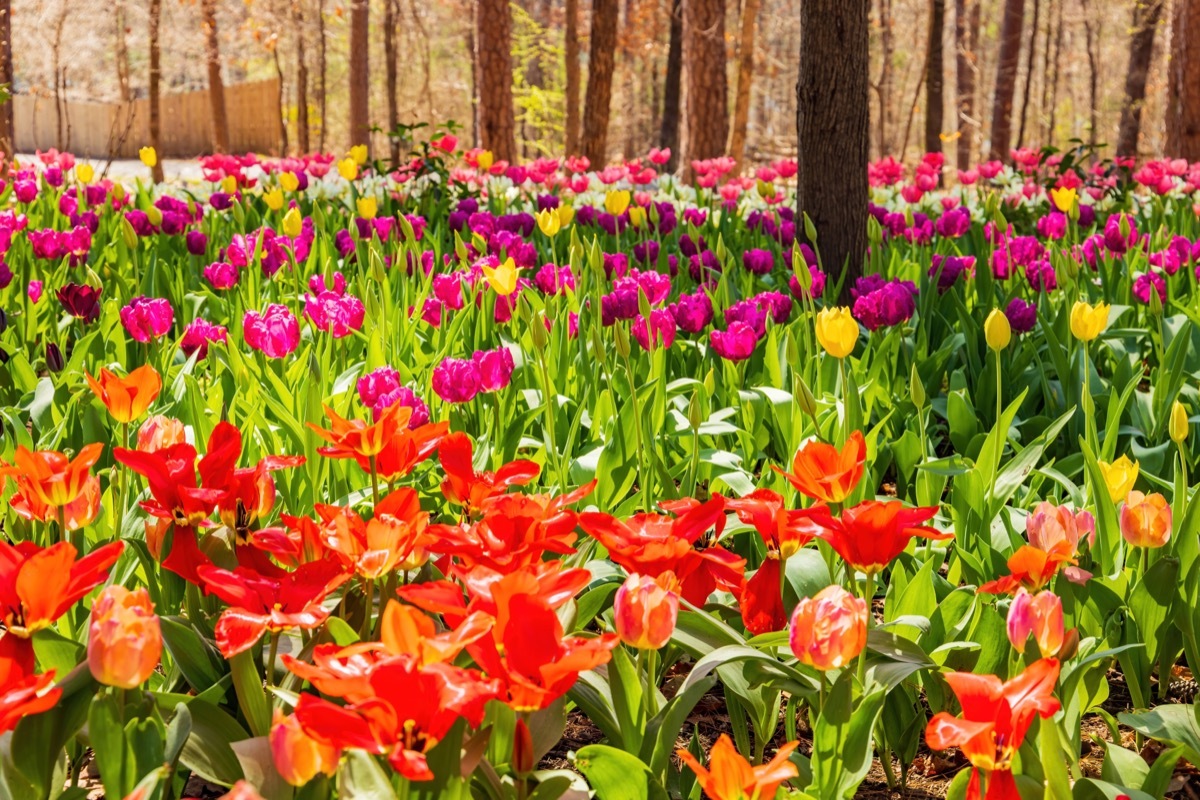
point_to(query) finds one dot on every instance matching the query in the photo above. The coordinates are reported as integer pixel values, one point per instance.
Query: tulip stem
(274, 651)
(119, 479)
(649, 698)
(374, 483)
(868, 596)
(844, 434)
(369, 589)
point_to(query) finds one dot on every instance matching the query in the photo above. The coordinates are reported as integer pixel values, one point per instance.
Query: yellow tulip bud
(485, 159)
(997, 330)
(85, 173)
(1179, 423)
(1088, 321)
(367, 206)
(837, 331)
(637, 216)
(1119, 477)
(359, 154)
(229, 184)
(616, 201)
(288, 181)
(548, 223)
(566, 214)
(149, 156)
(502, 278)
(274, 199)
(1063, 199)
(293, 223)
(154, 215)
(348, 168)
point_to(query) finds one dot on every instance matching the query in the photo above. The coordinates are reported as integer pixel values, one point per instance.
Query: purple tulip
(275, 332)
(456, 380)
(198, 335)
(495, 368)
(1022, 316)
(735, 344)
(147, 318)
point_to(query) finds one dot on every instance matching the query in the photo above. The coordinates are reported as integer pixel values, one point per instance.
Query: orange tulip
(160, 432)
(298, 756)
(51, 477)
(126, 398)
(38, 585)
(645, 610)
(354, 437)
(1146, 520)
(79, 513)
(1040, 616)
(824, 473)
(829, 629)
(124, 638)
(731, 777)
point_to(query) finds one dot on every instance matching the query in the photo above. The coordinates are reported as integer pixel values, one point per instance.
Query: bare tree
(707, 99)
(360, 74)
(8, 136)
(1183, 88)
(571, 54)
(122, 55)
(302, 133)
(155, 89)
(216, 87)
(1091, 30)
(966, 30)
(934, 72)
(883, 87)
(1030, 56)
(832, 120)
(672, 89)
(497, 126)
(1141, 47)
(391, 18)
(1006, 76)
(601, 57)
(322, 70)
(741, 103)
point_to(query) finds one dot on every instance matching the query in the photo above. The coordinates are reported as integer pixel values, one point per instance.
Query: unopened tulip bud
(1179, 423)
(829, 629)
(54, 358)
(804, 397)
(293, 223)
(522, 749)
(645, 610)
(1039, 616)
(299, 757)
(916, 388)
(1146, 520)
(997, 330)
(124, 638)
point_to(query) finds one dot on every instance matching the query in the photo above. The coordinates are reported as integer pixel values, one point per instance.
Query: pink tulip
(275, 332)
(456, 380)
(221, 275)
(147, 318)
(1040, 616)
(495, 368)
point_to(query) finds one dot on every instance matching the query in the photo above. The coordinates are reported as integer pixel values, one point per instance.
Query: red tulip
(465, 486)
(870, 535)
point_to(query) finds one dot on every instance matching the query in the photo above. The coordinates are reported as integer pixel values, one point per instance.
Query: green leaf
(190, 651)
(38, 739)
(208, 751)
(362, 777)
(106, 732)
(1174, 724)
(248, 685)
(842, 745)
(615, 774)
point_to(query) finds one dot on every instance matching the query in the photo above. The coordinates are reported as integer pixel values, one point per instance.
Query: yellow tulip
(229, 184)
(637, 216)
(148, 156)
(348, 168)
(502, 278)
(997, 330)
(616, 201)
(367, 206)
(1063, 199)
(485, 159)
(837, 331)
(1119, 477)
(293, 223)
(1088, 321)
(154, 215)
(289, 181)
(565, 215)
(1179, 423)
(359, 154)
(548, 222)
(85, 173)
(273, 198)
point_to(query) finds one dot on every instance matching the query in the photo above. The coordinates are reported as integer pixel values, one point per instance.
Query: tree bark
(391, 19)
(1091, 31)
(1183, 85)
(669, 132)
(1146, 14)
(934, 71)
(887, 38)
(322, 74)
(360, 74)
(154, 88)
(1029, 59)
(833, 126)
(7, 134)
(302, 134)
(571, 48)
(741, 102)
(216, 86)
(966, 64)
(601, 57)
(708, 94)
(1007, 65)
(1052, 124)
(497, 127)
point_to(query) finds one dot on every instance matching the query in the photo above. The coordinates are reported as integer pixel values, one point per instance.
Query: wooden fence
(117, 130)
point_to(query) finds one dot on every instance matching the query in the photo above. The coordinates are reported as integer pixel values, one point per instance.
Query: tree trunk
(934, 72)
(833, 126)
(391, 19)
(7, 135)
(56, 59)
(302, 140)
(1007, 65)
(1029, 59)
(708, 100)
(360, 72)
(1141, 47)
(154, 89)
(741, 103)
(887, 37)
(966, 64)
(1183, 85)
(216, 87)
(669, 132)
(123, 88)
(571, 46)
(1052, 125)
(283, 132)
(601, 56)
(472, 57)
(1091, 30)
(322, 69)
(497, 128)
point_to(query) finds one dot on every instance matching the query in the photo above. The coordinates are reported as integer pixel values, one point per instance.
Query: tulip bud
(160, 432)
(1040, 616)
(645, 610)
(154, 215)
(837, 331)
(537, 331)
(829, 629)
(522, 757)
(1156, 307)
(622, 340)
(124, 638)
(804, 397)
(54, 358)
(598, 348)
(1179, 422)
(997, 330)
(916, 388)
(293, 223)
(406, 228)
(695, 412)
(1119, 477)
(810, 230)
(128, 234)
(1146, 520)
(148, 156)
(3, 321)
(299, 757)
(85, 173)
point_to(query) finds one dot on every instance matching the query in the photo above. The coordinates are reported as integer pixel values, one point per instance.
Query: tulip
(502, 278)
(1119, 477)
(147, 318)
(298, 756)
(616, 201)
(548, 223)
(1179, 423)
(485, 159)
(829, 629)
(348, 169)
(367, 206)
(1146, 520)
(273, 198)
(293, 223)
(1040, 616)
(837, 331)
(149, 156)
(645, 610)
(126, 398)
(288, 181)
(85, 173)
(997, 330)
(565, 215)
(275, 332)
(81, 301)
(730, 776)
(637, 217)
(229, 184)
(160, 432)
(1063, 198)
(359, 153)
(124, 638)
(1088, 321)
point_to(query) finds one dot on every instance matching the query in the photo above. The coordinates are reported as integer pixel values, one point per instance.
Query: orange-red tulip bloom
(829, 629)
(1039, 616)
(826, 474)
(126, 398)
(354, 438)
(50, 476)
(395, 537)
(730, 776)
(299, 757)
(1146, 520)
(38, 585)
(79, 513)
(124, 637)
(645, 610)
(869, 535)
(25, 696)
(465, 486)
(996, 717)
